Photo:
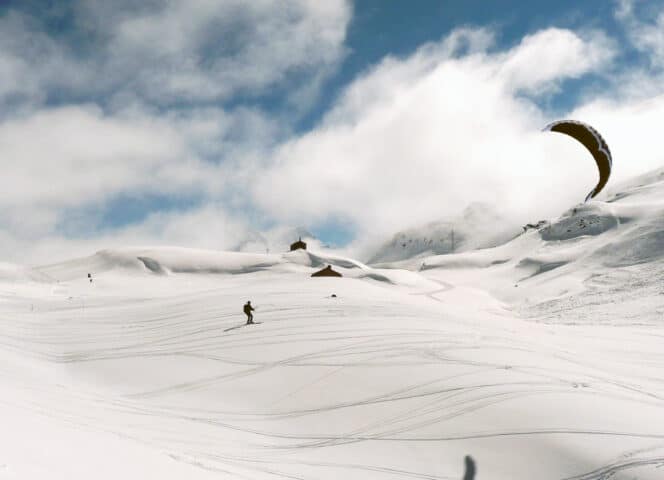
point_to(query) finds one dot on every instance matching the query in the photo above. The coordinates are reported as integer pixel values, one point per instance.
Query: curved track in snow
(383, 381)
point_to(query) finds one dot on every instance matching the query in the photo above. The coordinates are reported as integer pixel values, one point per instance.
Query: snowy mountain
(540, 356)
(479, 226)
(606, 253)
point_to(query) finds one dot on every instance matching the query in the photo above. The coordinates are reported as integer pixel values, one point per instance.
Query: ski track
(322, 389)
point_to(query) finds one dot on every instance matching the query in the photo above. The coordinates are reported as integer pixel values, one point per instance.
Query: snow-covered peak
(585, 255)
(478, 226)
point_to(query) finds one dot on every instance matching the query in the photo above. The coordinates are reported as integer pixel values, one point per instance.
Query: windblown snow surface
(542, 358)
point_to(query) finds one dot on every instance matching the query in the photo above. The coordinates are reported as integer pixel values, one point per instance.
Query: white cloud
(409, 141)
(64, 165)
(31, 61)
(202, 50)
(65, 156)
(143, 107)
(420, 138)
(645, 31)
(634, 128)
(209, 227)
(173, 52)
(548, 56)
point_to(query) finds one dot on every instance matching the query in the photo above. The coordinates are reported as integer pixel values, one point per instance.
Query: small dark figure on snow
(90, 277)
(470, 468)
(247, 310)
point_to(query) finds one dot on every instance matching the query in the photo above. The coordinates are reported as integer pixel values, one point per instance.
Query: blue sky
(382, 28)
(226, 124)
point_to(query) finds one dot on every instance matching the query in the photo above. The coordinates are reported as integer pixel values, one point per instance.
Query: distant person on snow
(247, 310)
(470, 468)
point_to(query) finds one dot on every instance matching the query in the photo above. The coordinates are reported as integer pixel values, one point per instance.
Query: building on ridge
(326, 272)
(298, 245)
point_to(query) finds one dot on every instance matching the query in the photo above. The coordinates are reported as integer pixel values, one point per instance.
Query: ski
(242, 325)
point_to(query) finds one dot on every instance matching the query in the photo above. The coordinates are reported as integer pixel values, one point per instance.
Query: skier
(470, 468)
(247, 310)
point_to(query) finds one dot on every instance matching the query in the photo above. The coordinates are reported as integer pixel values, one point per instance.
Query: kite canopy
(593, 141)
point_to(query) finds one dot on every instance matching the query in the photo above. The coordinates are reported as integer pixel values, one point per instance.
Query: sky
(228, 124)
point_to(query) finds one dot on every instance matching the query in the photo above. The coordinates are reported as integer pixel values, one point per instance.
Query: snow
(540, 357)
(479, 226)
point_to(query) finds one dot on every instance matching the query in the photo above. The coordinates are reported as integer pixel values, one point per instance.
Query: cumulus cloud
(420, 138)
(31, 63)
(209, 227)
(72, 156)
(140, 100)
(630, 111)
(544, 58)
(161, 102)
(173, 52)
(634, 128)
(645, 30)
(642, 24)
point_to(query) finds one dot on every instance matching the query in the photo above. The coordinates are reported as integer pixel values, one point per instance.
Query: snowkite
(593, 141)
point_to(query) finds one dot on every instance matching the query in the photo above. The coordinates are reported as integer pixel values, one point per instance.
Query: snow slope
(598, 262)
(479, 226)
(542, 358)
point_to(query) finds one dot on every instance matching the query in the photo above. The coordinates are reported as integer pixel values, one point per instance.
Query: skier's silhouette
(470, 468)
(247, 310)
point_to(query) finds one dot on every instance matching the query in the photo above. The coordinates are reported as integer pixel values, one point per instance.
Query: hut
(326, 272)
(298, 245)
